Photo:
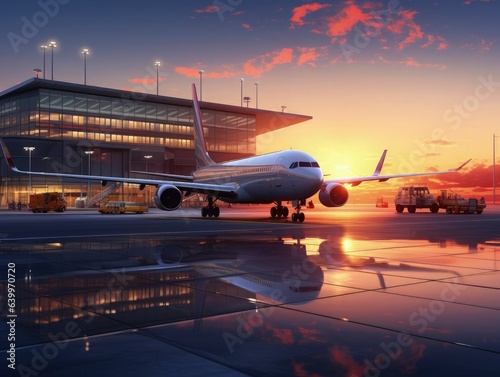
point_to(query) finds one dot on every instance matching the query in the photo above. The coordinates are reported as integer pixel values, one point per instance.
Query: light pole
(52, 44)
(257, 95)
(247, 100)
(85, 52)
(148, 157)
(283, 109)
(157, 64)
(241, 91)
(494, 171)
(89, 154)
(43, 48)
(30, 150)
(201, 71)
(37, 71)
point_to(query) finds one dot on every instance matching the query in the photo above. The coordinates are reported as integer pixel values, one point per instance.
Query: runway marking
(183, 232)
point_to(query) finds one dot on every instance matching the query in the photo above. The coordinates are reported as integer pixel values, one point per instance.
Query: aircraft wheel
(274, 212)
(285, 212)
(204, 211)
(301, 217)
(216, 211)
(294, 217)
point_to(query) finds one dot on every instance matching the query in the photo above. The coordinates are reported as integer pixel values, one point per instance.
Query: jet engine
(333, 195)
(168, 198)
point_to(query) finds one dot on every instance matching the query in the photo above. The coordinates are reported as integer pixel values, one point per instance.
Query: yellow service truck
(49, 201)
(122, 207)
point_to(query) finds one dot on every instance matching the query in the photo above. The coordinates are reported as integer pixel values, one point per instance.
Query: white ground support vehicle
(413, 197)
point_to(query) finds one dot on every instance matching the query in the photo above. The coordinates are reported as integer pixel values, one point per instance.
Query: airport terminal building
(57, 126)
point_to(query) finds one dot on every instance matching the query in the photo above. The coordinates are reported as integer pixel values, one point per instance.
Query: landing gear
(210, 210)
(279, 211)
(297, 215)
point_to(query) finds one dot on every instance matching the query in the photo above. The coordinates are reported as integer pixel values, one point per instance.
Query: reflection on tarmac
(289, 301)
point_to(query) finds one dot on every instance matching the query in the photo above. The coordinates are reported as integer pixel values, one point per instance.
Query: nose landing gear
(297, 215)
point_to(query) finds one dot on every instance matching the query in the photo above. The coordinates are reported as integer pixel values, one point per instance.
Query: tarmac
(352, 291)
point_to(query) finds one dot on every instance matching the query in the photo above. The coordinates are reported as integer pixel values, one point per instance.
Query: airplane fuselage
(278, 176)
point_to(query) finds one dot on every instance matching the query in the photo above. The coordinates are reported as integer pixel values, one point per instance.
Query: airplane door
(276, 182)
(277, 166)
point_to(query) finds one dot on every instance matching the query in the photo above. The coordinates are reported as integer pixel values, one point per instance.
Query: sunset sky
(419, 78)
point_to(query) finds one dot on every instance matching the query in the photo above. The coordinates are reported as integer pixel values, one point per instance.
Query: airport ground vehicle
(381, 203)
(122, 207)
(49, 201)
(413, 197)
(455, 203)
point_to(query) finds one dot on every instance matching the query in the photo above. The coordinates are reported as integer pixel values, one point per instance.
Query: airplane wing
(376, 176)
(177, 177)
(186, 186)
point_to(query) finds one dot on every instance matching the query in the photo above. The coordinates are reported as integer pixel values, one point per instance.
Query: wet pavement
(352, 292)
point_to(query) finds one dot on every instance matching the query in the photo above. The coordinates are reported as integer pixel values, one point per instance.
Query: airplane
(277, 177)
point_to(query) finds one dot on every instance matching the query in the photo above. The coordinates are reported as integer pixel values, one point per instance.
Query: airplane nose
(314, 177)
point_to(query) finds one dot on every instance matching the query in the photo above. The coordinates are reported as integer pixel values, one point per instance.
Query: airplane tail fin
(8, 157)
(200, 146)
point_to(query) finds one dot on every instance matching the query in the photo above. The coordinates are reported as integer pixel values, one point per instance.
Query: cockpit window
(304, 164)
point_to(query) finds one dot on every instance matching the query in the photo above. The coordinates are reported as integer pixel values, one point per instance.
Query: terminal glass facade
(46, 113)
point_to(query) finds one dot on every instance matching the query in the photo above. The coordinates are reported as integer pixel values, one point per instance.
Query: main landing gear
(210, 210)
(279, 211)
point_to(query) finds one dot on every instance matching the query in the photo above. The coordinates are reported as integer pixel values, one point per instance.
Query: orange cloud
(144, 80)
(188, 72)
(485, 46)
(264, 63)
(247, 26)
(405, 24)
(440, 142)
(469, 2)
(195, 72)
(308, 55)
(478, 176)
(345, 20)
(408, 61)
(299, 13)
(208, 9)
